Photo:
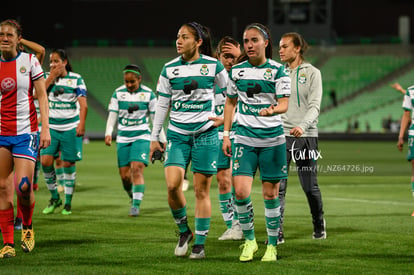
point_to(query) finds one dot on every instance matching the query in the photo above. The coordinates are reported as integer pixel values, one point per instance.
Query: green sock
(226, 208)
(246, 217)
(202, 225)
(235, 214)
(272, 215)
(50, 178)
(60, 176)
(137, 194)
(69, 174)
(180, 218)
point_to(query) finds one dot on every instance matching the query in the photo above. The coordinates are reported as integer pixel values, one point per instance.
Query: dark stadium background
(58, 23)
(355, 43)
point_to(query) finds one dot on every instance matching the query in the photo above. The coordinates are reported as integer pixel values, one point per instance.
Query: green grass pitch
(367, 202)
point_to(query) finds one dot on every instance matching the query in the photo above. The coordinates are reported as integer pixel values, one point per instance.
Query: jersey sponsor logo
(179, 105)
(8, 84)
(219, 109)
(252, 90)
(176, 71)
(189, 86)
(132, 108)
(251, 109)
(204, 69)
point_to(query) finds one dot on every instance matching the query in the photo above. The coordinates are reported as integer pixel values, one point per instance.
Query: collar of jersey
(192, 62)
(260, 66)
(18, 54)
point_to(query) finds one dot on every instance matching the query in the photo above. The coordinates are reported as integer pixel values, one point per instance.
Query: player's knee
(24, 187)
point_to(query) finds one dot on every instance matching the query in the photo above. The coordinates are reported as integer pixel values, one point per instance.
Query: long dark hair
(64, 56)
(201, 32)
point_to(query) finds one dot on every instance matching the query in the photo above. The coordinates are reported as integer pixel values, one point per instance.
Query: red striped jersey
(17, 110)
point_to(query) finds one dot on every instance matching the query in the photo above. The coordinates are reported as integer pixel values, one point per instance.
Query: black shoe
(319, 230)
(182, 245)
(197, 252)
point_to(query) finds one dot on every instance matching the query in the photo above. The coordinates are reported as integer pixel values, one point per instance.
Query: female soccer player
(19, 74)
(300, 126)
(68, 109)
(186, 84)
(255, 84)
(407, 121)
(227, 52)
(131, 106)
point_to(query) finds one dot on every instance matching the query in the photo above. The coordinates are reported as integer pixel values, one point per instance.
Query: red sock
(27, 212)
(7, 225)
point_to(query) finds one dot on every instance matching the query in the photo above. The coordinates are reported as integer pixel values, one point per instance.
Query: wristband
(226, 133)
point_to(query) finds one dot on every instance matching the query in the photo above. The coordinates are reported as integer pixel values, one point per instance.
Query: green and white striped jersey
(63, 101)
(258, 88)
(190, 86)
(408, 104)
(134, 110)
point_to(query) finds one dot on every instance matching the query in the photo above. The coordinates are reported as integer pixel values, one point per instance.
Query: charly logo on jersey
(204, 70)
(268, 74)
(8, 84)
(302, 79)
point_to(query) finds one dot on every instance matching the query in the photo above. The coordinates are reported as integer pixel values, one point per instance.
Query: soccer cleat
(236, 231)
(198, 252)
(28, 241)
(182, 245)
(53, 204)
(280, 238)
(270, 254)
(227, 235)
(319, 230)
(67, 209)
(249, 249)
(7, 252)
(134, 212)
(18, 224)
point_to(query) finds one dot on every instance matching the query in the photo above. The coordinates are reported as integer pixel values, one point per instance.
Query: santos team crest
(204, 70)
(268, 74)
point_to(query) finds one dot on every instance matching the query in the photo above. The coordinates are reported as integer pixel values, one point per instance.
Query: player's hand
(268, 111)
(155, 146)
(400, 144)
(226, 146)
(45, 139)
(296, 132)
(218, 121)
(108, 140)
